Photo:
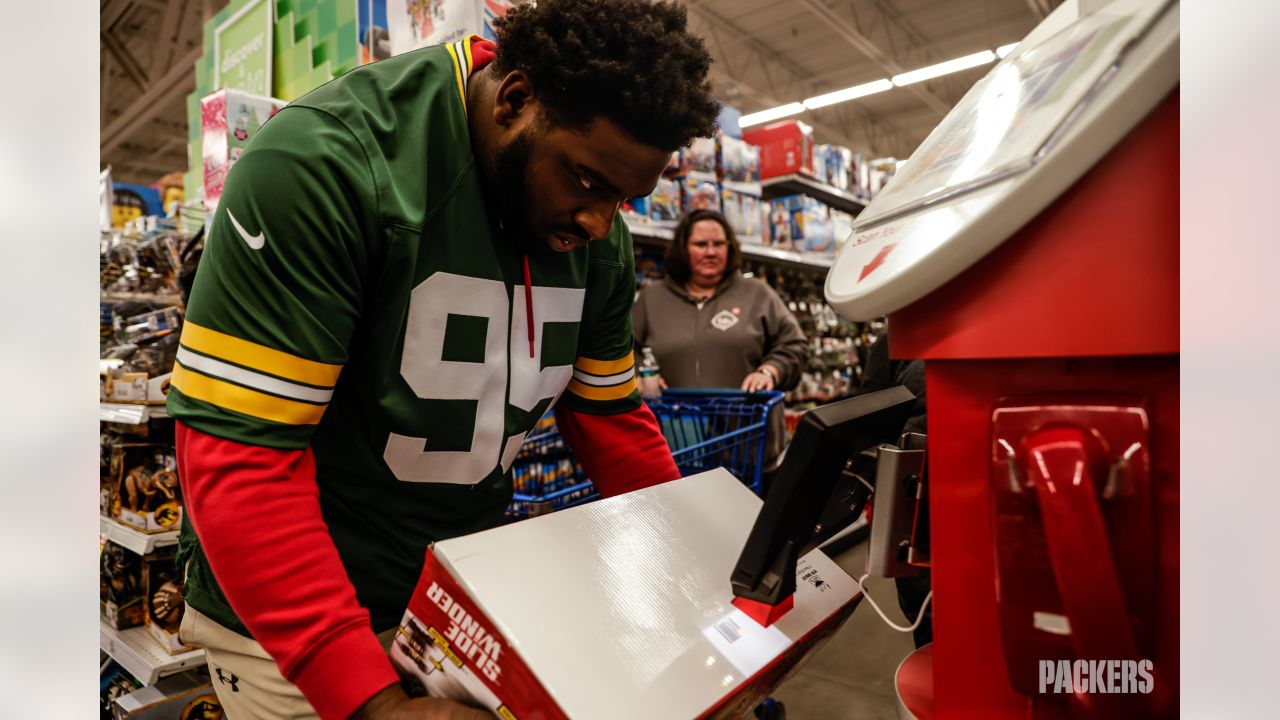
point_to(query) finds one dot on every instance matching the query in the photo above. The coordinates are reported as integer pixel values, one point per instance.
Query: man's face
(564, 185)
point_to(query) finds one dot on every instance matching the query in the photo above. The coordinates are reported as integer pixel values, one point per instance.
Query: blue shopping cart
(705, 429)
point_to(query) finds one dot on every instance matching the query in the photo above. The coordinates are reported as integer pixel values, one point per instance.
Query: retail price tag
(745, 643)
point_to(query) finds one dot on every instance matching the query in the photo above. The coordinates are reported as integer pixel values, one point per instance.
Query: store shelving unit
(796, 183)
(131, 414)
(650, 234)
(136, 540)
(142, 656)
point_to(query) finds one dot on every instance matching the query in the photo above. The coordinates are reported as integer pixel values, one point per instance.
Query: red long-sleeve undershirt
(257, 513)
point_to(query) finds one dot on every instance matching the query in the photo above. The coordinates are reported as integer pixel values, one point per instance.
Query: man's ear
(514, 100)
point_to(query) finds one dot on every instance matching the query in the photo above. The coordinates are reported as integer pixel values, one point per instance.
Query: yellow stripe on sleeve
(613, 392)
(466, 44)
(457, 75)
(243, 400)
(604, 367)
(258, 357)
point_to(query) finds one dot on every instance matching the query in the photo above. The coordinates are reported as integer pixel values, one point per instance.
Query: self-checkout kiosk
(1028, 253)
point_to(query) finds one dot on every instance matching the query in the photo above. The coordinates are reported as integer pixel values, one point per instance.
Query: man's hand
(394, 704)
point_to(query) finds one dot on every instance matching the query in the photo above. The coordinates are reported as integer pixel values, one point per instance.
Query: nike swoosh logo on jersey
(255, 242)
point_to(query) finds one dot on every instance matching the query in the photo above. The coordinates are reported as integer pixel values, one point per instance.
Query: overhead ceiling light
(765, 116)
(850, 93)
(1004, 50)
(945, 68)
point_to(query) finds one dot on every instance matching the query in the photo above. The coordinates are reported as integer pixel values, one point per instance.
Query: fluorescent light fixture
(850, 93)
(765, 116)
(945, 68)
(1003, 51)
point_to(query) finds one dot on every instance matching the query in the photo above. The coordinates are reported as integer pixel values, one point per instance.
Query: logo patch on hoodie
(724, 320)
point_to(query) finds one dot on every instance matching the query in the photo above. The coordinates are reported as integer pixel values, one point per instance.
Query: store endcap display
(1072, 89)
(621, 608)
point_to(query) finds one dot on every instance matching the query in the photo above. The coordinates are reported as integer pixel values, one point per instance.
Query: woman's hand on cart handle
(760, 380)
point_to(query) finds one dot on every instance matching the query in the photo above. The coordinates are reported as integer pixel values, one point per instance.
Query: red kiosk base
(1052, 379)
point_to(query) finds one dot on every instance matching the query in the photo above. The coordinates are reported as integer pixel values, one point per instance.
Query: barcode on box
(729, 629)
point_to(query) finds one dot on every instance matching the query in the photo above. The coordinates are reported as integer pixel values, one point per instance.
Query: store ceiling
(766, 53)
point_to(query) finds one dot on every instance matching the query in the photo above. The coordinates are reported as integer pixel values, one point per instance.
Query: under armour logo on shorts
(228, 679)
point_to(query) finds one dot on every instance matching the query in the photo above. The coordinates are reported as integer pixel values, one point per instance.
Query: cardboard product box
(163, 584)
(664, 201)
(120, 587)
(738, 160)
(618, 609)
(800, 223)
(699, 191)
(742, 210)
(412, 24)
(125, 386)
(700, 157)
(228, 120)
(841, 229)
(147, 494)
(785, 147)
(186, 696)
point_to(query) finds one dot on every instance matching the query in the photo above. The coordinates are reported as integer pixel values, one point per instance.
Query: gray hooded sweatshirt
(742, 326)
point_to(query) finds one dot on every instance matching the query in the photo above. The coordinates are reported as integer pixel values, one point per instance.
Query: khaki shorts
(247, 681)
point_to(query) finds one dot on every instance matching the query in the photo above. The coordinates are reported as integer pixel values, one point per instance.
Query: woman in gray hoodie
(710, 327)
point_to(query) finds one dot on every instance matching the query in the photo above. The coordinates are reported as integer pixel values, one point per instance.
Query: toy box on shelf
(800, 223)
(738, 160)
(147, 496)
(228, 119)
(743, 212)
(163, 584)
(880, 171)
(739, 167)
(786, 147)
(699, 191)
(185, 696)
(699, 157)
(120, 587)
(664, 201)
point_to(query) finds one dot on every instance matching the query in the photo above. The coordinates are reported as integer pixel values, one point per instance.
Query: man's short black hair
(630, 61)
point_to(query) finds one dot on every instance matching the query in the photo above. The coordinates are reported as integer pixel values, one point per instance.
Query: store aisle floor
(852, 675)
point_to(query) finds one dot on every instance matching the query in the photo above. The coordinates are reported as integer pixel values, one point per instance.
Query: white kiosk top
(1020, 137)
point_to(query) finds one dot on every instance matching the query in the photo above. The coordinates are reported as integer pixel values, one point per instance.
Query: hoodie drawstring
(528, 302)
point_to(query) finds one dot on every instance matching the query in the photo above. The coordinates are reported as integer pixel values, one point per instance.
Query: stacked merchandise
(661, 208)
(228, 119)
(738, 164)
(800, 223)
(141, 317)
(786, 148)
(842, 169)
(545, 476)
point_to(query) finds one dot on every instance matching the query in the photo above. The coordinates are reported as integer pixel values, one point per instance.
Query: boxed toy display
(699, 157)
(228, 119)
(739, 161)
(799, 222)
(616, 609)
(664, 202)
(162, 585)
(147, 496)
(743, 213)
(120, 587)
(186, 696)
(785, 147)
(699, 192)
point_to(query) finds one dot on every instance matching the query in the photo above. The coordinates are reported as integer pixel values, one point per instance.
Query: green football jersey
(357, 296)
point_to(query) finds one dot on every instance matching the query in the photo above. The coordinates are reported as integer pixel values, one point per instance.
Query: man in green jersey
(406, 269)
